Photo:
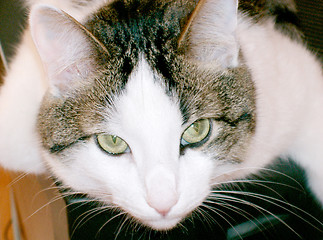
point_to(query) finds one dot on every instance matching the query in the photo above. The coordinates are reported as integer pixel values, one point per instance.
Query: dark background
(302, 217)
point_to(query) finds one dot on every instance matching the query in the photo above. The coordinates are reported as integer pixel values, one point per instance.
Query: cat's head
(147, 108)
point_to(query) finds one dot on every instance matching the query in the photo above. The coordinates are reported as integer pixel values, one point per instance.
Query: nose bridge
(160, 175)
(164, 156)
(159, 160)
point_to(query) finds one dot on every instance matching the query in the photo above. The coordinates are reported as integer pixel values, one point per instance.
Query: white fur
(153, 183)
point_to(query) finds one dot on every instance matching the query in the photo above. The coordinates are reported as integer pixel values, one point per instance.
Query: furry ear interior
(64, 45)
(210, 35)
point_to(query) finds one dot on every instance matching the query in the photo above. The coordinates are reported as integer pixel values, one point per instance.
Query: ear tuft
(211, 36)
(64, 46)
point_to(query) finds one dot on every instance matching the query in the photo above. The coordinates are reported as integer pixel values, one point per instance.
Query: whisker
(79, 203)
(255, 181)
(17, 179)
(216, 211)
(259, 208)
(51, 188)
(182, 227)
(263, 169)
(86, 216)
(57, 198)
(136, 226)
(209, 219)
(272, 200)
(110, 219)
(125, 219)
(263, 197)
(271, 189)
(236, 210)
(209, 216)
(224, 197)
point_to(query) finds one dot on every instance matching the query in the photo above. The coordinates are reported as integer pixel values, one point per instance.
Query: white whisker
(125, 219)
(272, 200)
(238, 200)
(110, 219)
(263, 169)
(17, 179)
(216, 211)
(236, 210)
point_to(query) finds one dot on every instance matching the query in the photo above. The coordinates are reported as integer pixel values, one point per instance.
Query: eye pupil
(114, 139)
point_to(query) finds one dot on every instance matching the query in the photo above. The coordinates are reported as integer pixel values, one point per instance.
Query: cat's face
(133, 121)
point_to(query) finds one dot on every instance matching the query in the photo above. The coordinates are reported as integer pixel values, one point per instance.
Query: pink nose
(162, 204)
(163, 212)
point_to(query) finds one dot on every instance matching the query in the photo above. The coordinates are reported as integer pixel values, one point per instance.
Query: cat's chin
(163, 224)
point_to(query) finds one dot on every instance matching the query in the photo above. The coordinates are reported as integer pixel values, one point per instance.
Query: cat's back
(287, 76)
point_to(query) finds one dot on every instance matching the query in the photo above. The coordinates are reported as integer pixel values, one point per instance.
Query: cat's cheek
(72, 171)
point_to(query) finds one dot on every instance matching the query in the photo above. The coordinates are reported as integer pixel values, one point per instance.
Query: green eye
(112, 144)
(197, 132)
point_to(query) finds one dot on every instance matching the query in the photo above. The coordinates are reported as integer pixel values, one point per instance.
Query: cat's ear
(210, 33)
(65, 47)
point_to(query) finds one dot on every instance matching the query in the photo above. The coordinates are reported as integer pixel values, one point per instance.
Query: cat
(148, 105)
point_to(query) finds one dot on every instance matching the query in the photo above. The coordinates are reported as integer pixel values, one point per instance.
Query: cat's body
(145, 72)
